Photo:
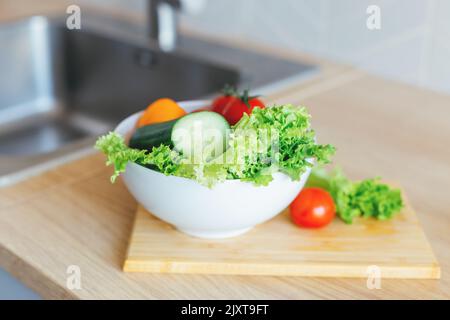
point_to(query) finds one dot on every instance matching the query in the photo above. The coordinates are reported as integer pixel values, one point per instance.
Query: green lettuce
(119, 154)
(274, 139)
(366, 198)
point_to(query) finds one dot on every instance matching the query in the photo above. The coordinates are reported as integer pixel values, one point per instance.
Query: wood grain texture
(279, 248)
(73, 215)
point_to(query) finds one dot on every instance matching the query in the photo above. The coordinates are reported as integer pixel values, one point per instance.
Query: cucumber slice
(201, 136)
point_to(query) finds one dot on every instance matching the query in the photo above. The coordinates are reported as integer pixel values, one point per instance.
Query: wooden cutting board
(397, 248)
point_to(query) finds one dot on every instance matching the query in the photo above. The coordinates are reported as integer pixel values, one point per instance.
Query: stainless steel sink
(60, 88)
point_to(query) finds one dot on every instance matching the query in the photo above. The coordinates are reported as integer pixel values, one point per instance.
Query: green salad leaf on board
(274, 139)
(366, 198)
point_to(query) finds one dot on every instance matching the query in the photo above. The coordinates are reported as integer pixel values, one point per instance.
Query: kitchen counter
(380, 127)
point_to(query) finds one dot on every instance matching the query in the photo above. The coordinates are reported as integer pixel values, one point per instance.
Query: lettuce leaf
(119, 154)
(274, 139)
(366, 198)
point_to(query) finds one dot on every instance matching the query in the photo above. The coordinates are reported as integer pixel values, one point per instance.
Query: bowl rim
(189, 106)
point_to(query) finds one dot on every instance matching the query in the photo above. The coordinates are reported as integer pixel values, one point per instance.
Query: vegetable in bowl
(272, 146)
(269, 140)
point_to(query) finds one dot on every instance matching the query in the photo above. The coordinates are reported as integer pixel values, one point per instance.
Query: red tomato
(220, 102)
(255, 103)
(313, 208)
(237, 106)
(228, 92)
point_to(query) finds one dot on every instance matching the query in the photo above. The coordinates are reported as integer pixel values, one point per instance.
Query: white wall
(413, 44)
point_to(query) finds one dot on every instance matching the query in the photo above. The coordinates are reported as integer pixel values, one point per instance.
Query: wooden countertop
(380, 127)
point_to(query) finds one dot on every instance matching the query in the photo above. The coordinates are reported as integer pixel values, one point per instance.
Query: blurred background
(413, 44)
(68, 84)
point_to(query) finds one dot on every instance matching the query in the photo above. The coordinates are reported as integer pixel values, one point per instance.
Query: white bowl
(228, 209)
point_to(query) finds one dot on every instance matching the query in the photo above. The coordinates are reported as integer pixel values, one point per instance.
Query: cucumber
(153, 135)
(201, 135)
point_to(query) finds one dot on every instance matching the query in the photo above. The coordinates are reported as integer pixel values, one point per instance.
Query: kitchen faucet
(162, 22)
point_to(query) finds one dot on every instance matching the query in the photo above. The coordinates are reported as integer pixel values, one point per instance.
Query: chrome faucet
(162, 22)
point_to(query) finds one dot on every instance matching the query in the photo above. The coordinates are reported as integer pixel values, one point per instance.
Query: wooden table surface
(67, 217)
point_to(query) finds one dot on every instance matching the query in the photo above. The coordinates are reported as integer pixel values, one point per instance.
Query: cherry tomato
(220, 102)
(161, 110)
(313, 208)
(237, 106)
(228, 92)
